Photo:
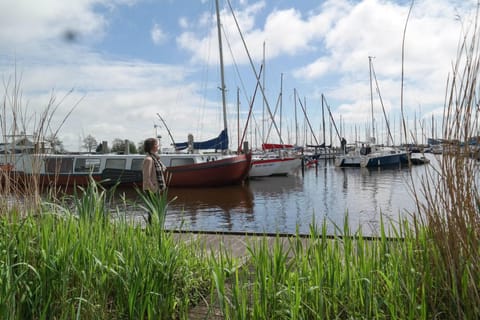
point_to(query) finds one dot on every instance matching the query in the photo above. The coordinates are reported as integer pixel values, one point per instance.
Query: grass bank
(65, 264)
(62, 265)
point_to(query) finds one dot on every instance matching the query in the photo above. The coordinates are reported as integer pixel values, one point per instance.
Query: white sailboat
(371, 154)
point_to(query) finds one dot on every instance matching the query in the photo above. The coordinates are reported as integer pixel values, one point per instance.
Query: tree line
(90, 144)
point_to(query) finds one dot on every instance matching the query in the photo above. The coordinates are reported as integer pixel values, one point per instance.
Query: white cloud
(183, 22)
(157, 34)
(23, 21)
(316, 69)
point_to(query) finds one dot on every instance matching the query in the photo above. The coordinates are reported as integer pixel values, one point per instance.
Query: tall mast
(263, 101)
(281, 98)
(371, 95)
(222, 75)
(323, 122)
(296, 121)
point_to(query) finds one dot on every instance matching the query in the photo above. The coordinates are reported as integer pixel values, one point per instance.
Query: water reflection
(200, 208)
(226, 199)
(291, 204)
(280, 204)
(209, 208)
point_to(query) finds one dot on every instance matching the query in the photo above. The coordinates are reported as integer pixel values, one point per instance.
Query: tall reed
(18, 123)
(451, 212)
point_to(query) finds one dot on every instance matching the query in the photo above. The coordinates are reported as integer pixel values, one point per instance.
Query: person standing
(343, 144)
(153, 168)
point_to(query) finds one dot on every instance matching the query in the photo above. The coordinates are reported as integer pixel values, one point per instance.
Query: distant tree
(140, 147)
(131, 147)
(55, 144)
(90, 143)
(118, 146)
(99, 148)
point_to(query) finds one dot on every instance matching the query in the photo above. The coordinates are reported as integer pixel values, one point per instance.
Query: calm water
(283, 204)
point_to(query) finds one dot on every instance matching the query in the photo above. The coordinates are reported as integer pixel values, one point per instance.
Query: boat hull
(219, 171)
(348, 161)
(228, 171)
(384, 160)
(274, 167)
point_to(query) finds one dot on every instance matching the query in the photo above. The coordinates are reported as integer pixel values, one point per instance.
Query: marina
(289, 204)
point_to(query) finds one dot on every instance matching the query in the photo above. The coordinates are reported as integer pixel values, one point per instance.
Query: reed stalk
(452, 209)
(17, 123)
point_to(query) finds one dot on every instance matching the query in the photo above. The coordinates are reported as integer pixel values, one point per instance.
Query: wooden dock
(234, 244)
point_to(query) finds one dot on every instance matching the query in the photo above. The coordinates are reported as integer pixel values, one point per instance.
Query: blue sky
(124, 61)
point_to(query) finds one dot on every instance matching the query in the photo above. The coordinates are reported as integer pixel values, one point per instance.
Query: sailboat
(275, 159)
(214, 170)
(187, 169)
(371, 154)
(380, 156)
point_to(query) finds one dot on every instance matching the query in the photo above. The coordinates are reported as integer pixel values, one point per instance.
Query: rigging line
(274, 115)
(403, 65)
(168, 130)
(249, 112)
(308, 121)
(235, 64)
(331, 116)
(200, 120)
(255, 72)
(381, 102)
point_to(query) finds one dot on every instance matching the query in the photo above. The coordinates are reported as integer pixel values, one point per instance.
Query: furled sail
(218, 143)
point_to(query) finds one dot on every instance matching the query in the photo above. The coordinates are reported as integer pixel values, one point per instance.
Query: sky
(108, 68)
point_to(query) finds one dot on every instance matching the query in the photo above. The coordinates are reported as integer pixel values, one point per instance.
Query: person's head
(150, 145)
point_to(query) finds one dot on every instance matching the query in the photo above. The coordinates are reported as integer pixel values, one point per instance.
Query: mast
(371, 95)
(222, 73)
(263, 101)
(323, 122)
(281, 98)
(238, 117)
(296, 121)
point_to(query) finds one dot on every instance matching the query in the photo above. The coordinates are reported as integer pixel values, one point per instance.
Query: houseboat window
(58, 165)
(137, 164)
(115, 164)
(181, 162)
(87, 165)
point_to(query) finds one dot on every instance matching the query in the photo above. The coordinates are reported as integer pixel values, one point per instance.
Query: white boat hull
(274, 166)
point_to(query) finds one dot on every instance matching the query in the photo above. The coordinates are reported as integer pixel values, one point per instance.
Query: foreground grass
(348, 278)
(63, 266)
(66, 266)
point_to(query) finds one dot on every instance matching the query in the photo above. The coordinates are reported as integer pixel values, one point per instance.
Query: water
(285, 204)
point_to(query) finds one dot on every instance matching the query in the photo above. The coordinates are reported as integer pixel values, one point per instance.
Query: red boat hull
(216, 173)
(233, 170)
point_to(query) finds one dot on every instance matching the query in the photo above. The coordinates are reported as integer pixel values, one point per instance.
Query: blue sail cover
(219, 143)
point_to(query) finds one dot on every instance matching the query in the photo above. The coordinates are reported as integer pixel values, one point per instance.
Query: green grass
(76, 263)
(65, 265)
